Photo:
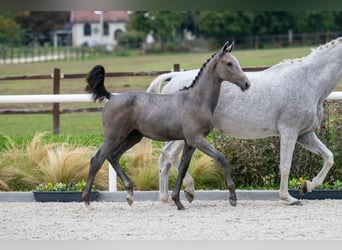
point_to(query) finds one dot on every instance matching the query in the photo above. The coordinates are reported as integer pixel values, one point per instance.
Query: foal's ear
(230, 48)
(226, 48)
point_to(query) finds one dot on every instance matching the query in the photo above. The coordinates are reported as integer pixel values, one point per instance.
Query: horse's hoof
(232, 202)
(295, 203)
(304, 188)
(188, 196)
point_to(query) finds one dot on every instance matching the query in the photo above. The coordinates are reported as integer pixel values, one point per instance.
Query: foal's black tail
(95, 86)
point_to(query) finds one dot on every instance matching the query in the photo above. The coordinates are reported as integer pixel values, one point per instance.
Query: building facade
(91, 28)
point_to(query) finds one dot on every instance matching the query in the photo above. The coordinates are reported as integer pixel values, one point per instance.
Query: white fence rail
(77, 98)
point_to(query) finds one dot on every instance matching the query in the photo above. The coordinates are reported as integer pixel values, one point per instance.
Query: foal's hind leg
(96, 163)
(133, 138)
(313, 144)
(188, 151)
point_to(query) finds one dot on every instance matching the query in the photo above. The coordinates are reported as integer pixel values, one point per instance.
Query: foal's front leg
(188, 151)
(203, 145)
(170, 157)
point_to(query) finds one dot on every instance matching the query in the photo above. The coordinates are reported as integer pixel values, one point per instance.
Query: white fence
(77, 98)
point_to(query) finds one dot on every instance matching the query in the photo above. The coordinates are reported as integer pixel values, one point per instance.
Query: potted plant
(61, 192)
(328, 190)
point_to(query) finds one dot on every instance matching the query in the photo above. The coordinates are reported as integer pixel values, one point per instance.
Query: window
(87, 29)
(105, 29)
(117, 33)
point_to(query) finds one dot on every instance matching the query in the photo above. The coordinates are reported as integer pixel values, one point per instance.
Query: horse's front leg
(313, 144)
(188, 151)
(287, 145)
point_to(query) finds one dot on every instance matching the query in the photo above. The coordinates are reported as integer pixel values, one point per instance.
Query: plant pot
(317, 194)
(62, 196)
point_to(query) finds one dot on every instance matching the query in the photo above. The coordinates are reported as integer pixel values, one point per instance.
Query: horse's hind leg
(170, 157)
(96, 163)
(133, 138)
(287, 145)
(311, 142)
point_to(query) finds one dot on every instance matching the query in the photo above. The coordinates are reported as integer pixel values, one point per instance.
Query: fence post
(176, 67)
(55, 108)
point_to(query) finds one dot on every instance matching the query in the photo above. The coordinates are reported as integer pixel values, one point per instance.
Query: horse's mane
(198, 74)
(314, 52)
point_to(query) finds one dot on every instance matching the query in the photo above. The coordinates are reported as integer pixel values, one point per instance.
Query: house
(91, 28)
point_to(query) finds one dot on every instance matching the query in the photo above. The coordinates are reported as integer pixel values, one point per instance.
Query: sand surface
(202, 220)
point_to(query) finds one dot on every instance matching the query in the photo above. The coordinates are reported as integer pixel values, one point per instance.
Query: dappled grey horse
(185, 115)
(285, 100)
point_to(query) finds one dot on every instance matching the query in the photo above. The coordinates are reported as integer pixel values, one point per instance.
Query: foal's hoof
(180, 207)
(188, 196)
(304, 188)
(129, 200)
(232, 202)
(85, 199)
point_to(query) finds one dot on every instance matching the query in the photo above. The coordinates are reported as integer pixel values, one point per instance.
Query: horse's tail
(95, 86)
(156, 84)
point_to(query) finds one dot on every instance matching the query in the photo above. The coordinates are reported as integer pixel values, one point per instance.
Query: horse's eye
(229, 64)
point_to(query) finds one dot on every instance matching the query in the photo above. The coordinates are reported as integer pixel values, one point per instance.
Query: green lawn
(90, 123)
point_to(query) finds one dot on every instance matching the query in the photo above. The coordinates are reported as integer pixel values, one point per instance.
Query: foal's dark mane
(199, 73)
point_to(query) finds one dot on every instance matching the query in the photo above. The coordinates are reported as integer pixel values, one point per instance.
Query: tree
(164, 25)
(315, 21)
(10, 30)
(224, 25)
(39, 24)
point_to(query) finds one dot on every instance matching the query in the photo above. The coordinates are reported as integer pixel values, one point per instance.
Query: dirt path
(154, 220)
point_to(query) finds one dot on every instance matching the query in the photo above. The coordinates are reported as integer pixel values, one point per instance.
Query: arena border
(120, 196)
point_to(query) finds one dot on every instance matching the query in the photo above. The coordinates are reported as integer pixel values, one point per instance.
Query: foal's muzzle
(244, 86)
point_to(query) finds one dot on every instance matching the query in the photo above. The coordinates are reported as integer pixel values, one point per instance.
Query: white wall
(78, 38)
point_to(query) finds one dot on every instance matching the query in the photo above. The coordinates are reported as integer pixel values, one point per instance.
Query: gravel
(202, 220)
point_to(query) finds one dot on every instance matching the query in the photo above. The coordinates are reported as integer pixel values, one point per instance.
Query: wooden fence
(56, 82)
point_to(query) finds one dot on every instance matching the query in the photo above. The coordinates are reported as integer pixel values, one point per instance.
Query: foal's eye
(230, 64)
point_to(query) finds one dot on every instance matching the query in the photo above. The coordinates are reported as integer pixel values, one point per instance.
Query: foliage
(60, 186)
(295, 183)
(24, 166)
(206, 173)
(164, 25)
(140, 165)
(39, 24)
(131, 39)
(10, 30)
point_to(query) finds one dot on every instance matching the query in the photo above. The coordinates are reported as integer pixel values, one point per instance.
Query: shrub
(22, 167)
